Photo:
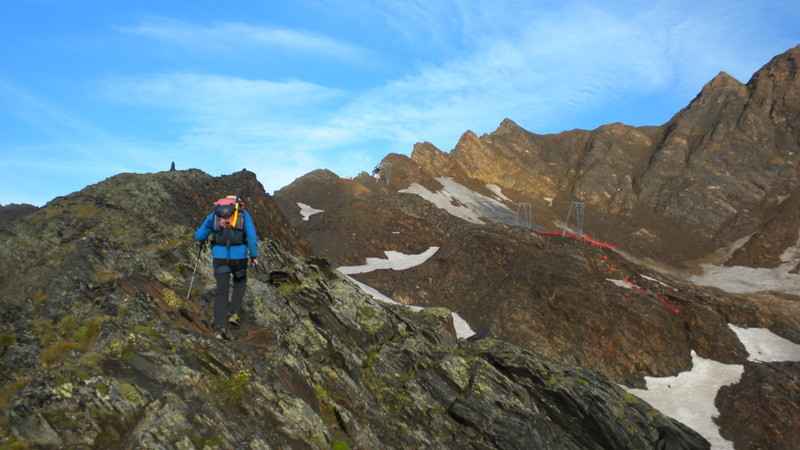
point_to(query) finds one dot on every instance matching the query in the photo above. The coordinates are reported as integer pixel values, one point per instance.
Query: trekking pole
(255, 267)
(200, 250)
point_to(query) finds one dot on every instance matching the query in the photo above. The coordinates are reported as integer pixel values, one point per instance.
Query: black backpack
(228, 222)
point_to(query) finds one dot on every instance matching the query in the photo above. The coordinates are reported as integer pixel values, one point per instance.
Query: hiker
(233, 237)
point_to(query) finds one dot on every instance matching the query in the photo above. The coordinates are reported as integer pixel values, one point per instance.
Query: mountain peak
(723, 81)
(507, 125)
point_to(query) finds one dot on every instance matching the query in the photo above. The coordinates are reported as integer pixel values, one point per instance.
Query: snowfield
(744, 280)
(307, 211)
(471, 206)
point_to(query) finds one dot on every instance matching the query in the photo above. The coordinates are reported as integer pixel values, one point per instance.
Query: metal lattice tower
(524, 215)
(580, 211)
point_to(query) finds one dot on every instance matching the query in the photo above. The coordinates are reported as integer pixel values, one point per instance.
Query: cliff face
(715, 171)
(102, 349)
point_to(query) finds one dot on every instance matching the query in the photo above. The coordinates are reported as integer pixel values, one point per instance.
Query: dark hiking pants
(224, 270)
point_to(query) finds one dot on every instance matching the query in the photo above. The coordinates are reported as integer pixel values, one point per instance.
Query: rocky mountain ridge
(103, 346)
(715, 171)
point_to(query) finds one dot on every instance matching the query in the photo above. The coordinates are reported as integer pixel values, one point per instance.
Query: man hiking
(234, 236)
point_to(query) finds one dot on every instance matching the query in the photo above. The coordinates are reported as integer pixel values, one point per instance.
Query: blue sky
(89, 89)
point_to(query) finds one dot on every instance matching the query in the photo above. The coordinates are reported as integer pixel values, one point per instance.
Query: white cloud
(220, 96)
(227, 37)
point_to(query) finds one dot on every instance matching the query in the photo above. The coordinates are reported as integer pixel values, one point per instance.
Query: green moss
(581, 380)
(147, 331)
(101, 388)
(212, 443)
(130, 393)
(368, 311)
(288, 289)
(553, 383)
(103, 276)
(632, 399)
(339, 445)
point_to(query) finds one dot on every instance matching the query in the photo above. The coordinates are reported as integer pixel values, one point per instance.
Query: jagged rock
(709, 176)
(770, 391)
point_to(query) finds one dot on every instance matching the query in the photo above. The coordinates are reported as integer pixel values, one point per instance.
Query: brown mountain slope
(711, 175)
(724, 168)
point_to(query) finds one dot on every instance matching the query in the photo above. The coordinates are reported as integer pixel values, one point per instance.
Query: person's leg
(239, 269)
(222, 273)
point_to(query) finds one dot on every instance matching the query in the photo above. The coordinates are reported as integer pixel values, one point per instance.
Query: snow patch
(307, 211)
(498, 192)
(394, 260)
(766, 346)
(744, 280)
(689, 396)
(654, 280)
(401, 261)
(464, 203)
(619, 283)
(444, 201)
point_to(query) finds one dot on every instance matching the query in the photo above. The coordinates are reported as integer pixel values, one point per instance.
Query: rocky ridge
(100, 347)
(717, 171)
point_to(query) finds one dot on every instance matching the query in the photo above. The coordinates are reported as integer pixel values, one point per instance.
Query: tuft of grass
(6, 392)
(67, 335)
(171, 299)
(231, 388)
(57, 350)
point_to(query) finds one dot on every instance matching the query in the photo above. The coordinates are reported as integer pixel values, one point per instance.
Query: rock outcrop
(102, 349)
(14, 211)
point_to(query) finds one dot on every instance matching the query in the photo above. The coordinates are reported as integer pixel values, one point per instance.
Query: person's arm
(205, 229)
(251, 236)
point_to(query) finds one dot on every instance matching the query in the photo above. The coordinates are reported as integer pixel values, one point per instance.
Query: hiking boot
(219, 333)
(234, 320)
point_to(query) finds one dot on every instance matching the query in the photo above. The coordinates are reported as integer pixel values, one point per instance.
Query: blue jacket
(234, 251)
